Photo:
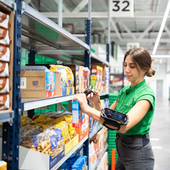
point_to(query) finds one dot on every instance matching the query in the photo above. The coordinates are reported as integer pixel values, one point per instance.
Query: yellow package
(25, 120)
(68, 119)
(63, 126)
(3, 165)
(41, 118)
(72, 130)
(67, 78)
(58, 120)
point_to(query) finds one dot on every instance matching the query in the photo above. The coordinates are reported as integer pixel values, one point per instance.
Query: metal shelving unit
(33, 39)
(28, 104)
(64, 39)
(7, 116)
(97, 58)
(9, 3)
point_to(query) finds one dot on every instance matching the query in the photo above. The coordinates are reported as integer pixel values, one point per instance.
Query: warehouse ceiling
(142, 28)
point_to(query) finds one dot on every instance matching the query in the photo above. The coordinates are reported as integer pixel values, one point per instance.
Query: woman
(138, 102)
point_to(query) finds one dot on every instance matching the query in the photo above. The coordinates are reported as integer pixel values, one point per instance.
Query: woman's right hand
(94, 98)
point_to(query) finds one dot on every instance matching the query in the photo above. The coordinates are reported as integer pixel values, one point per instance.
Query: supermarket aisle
(160, 134)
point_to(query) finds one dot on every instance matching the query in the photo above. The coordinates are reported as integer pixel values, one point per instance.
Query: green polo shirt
(128, 97)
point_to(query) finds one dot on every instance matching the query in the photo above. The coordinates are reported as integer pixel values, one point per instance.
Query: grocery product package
(4, 69)
(3, 165)
(86, 75)
(4, 20)
(4, 37)
(4, 53)
(67, 78)
(96, 77)
(4, 85)
(4, 101)
(49, 141)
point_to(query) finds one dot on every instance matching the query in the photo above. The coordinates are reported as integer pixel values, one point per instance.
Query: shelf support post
(87, 63)
(31, 60)
(88, 42)
(10, 148)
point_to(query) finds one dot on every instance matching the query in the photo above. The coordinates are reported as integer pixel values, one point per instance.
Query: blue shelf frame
(10, 152)
(10, 148)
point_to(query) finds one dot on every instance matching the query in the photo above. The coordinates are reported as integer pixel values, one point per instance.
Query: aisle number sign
(122, 8)
(131, 45)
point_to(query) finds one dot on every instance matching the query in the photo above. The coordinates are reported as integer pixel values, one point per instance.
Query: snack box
(37, 82)
(83, 130)
(59, 90)
(33, 160)
(78, 77)
(71, 144)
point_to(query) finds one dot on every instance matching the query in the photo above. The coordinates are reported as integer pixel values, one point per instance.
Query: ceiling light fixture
(161, 28)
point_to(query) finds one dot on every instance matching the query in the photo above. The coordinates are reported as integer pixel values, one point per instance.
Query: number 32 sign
(121, 8)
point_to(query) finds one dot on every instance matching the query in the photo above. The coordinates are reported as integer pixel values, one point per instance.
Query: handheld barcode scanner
(111, 117)
(89, 90)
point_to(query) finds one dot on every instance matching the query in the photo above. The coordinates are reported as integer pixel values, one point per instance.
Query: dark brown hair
(142, 58)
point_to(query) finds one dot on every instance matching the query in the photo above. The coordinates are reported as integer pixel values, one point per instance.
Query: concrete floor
(160, 134)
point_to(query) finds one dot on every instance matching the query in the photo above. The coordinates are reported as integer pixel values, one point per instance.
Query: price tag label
(122, 8)
(131, 45)
(23, 83)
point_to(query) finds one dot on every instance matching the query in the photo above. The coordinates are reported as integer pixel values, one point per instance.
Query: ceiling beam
(80, 6)
(65, 9)
(127, 29)
(167, 30)
(115, 28)
(137, 15)
(147, 29)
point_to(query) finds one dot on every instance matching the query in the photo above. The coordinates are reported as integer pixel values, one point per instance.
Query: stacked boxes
(6, 56)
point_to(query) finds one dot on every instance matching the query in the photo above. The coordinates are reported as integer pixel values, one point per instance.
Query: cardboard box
(8, 11)
(83, 130)
(37, 84)
(33, 160)
(71, 144)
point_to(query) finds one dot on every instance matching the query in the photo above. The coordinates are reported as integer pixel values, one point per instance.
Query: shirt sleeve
(149, 97)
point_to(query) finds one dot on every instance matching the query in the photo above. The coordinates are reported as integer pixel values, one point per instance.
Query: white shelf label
(131, 45)
(122, 8)
(23, 84)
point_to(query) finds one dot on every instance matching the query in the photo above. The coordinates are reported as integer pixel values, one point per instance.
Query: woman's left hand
(81, 98)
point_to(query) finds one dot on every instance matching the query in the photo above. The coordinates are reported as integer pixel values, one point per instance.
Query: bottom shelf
(33, 160)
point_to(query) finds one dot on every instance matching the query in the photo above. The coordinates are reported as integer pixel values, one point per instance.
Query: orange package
(4, 36)
(4, 53)
(4, 101)
(4, 20)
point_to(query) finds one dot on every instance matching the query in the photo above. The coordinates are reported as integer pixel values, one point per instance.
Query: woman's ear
(143, 72)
